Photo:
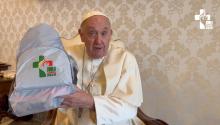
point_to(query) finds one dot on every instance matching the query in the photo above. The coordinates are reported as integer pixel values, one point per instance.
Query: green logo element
(45, 67)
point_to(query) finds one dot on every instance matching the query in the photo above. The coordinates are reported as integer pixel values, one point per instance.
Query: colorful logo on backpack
(45, 67)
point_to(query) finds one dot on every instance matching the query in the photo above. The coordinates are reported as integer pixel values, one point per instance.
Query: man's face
(96, 33)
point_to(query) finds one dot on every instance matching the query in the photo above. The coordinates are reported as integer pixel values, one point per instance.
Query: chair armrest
(4, 106)
(50, 118)
(148, 120)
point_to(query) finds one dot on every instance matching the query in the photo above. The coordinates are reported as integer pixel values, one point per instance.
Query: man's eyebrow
(106, 28)
(92, 28)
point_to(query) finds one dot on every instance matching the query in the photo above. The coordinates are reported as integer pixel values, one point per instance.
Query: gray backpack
(44, 72)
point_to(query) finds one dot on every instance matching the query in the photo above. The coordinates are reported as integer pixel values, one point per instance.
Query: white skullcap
(93, 13)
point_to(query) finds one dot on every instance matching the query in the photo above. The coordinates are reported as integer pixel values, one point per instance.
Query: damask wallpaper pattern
(179, 63)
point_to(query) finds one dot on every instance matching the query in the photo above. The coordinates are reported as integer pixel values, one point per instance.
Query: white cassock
(116, 88)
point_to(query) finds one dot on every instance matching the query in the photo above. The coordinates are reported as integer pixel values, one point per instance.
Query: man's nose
(98, 39)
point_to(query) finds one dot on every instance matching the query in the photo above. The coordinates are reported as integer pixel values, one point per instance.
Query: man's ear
(111, 32)
(81, 35)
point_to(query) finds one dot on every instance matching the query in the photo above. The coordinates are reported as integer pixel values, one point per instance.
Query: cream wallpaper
(179, 63)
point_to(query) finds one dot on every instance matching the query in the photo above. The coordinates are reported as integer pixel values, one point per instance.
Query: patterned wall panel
(179, 63)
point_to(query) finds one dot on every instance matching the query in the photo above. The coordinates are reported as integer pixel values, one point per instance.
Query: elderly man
(109, 85)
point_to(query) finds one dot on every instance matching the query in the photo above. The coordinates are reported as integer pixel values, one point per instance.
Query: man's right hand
(78, 99)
